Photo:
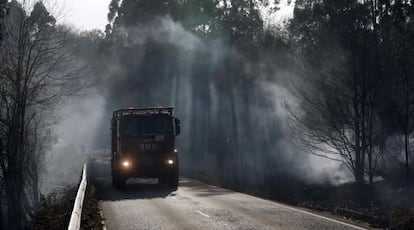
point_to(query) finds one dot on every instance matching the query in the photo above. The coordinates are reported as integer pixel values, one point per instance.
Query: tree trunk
(14, 212)
(406, 127)
(406, 147)
(2, 224)
(359, 166)
(370, 146)
(359, 158)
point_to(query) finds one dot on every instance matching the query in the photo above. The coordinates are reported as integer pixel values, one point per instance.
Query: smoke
(75, 134)
(233, 128)
(161, 30)
(80, 119)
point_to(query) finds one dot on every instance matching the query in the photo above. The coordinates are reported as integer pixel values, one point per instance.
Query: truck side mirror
(177, 126)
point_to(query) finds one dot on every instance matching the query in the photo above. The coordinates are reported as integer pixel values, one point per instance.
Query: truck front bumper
(146, 166)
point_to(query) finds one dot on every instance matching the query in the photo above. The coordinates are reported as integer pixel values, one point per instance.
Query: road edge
(326, 216)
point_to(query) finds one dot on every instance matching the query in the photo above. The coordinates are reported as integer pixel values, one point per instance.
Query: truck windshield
(146, 125)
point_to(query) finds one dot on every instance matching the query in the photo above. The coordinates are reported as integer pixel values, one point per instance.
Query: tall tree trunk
(363, 127)
(14, 212)
(370, 147)
(407, 164)
(406, 127)
(358, 172)
(2, 224)
(406, 149)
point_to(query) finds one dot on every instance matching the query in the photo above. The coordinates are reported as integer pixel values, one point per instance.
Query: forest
(264, 105)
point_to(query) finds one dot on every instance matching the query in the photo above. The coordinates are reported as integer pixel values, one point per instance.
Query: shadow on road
(202, 189)
(100, 176)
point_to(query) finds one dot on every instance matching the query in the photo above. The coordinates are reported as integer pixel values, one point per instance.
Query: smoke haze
(232, 129)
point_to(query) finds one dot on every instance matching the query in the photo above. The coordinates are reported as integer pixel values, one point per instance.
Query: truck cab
(143, 145)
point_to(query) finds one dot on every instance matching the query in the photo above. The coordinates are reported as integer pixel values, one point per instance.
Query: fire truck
(143, 145)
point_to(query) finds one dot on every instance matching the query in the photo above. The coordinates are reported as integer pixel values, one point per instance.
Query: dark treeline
(336, 80)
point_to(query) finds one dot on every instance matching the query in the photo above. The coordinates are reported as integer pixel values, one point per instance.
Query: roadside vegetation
(55, 210)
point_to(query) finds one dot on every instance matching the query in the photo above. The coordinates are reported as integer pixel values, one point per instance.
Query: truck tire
(173, 184)
(119, 182)
(173, 181)
(113, 177)
(112, 173)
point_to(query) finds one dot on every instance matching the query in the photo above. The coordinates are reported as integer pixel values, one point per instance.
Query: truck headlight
(170, 161)
(126, 164)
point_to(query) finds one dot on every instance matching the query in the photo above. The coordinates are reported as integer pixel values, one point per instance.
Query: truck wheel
(173, 182)
(113, 175)
(119, 182)
(173, 179)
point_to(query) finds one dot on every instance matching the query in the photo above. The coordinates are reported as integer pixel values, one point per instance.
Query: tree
(37, 70)
(398, 33)
(3, 13)
(343, 82)
(132, 13)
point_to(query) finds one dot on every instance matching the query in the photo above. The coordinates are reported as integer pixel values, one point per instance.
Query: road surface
(194, 205)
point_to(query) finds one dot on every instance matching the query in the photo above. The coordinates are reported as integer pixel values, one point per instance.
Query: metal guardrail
(75, 218)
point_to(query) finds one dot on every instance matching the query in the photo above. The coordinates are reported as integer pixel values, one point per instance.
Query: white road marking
(203, 214)
(292, 208)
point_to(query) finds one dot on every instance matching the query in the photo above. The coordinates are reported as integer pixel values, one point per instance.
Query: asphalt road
(195, 205)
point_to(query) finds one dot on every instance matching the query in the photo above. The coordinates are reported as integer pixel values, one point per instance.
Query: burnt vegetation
(258, 99)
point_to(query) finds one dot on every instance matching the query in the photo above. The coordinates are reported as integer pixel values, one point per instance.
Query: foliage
(55, 210)
(350, 76)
